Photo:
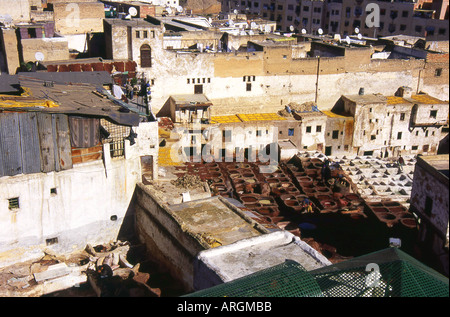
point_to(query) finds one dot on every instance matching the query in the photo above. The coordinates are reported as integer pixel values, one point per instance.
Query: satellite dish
(209, 20)
(267, 28)
(303, 31)
(180, 9)
(231, 22)
(320, 31)
(235, 11)
(347, 39)
(337, 37)
(132, 11)
(359, 36)
(253, 25)
(356, 30)
(169, 10)
(291, 28)
(39, 56)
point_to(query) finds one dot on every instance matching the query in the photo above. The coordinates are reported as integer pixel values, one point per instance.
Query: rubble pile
(104, 268)
(111, 275)
(187, 181)
(295, 107)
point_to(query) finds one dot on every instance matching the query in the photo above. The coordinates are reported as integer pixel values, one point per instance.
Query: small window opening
(13, 203)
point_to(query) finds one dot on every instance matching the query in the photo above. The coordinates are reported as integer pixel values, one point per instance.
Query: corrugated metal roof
(75, 99)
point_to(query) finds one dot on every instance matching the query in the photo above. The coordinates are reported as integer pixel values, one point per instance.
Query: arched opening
(146, 56)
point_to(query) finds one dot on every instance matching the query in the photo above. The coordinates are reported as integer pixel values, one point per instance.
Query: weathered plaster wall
(164, 237)
(80, 211)
(77, 17)
(8, 42)
(54, 49)
(19, 10)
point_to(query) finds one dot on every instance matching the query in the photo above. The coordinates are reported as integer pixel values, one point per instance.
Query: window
(146, 56)
(402, 116)
(198, 89)
(335, 134)
(51, 241)
(249, 87)
(402, 27)
(442, 31)
(394, 14)
(308, 129)
(414, 147)
(291, 132)
(53, 191)
(373, 137)
(13, 203)
(405, 14)
(418, 28)
(425, 148)
(258, 133)
(399, 136)
(138, 34)
(145, 34)
(188, 81)
(433, 114)
(438, 72)
(319, 128)
(426, 133)
(305, 8)
(227, 135)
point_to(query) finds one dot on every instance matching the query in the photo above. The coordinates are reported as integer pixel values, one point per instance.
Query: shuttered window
(146, 56)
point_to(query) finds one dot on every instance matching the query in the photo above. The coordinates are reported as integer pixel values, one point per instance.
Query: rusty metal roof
(75, 99)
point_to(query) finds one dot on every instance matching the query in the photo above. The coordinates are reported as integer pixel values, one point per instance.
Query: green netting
(288, 279)
(386, 273)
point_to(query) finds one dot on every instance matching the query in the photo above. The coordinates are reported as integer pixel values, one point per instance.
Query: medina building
(262, 80)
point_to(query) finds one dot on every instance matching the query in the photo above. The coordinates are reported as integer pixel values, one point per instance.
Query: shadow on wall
(127, 230)
(338, 106)
(444, 145)
(165, 110)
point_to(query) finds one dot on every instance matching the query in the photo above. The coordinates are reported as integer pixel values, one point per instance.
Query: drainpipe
(418, 80)
(317, 80)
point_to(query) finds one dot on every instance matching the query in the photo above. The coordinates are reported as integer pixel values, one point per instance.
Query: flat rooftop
(440, 163)
(366, 99)
(216, 220)
(255, 254)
